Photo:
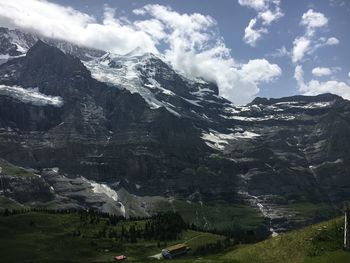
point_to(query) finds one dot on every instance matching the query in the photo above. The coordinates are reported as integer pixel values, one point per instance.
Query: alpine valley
(129, 135)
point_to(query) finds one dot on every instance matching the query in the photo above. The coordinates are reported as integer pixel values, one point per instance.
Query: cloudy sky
(269, 48)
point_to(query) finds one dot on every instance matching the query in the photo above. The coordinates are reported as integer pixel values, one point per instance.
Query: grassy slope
(314, 244)
(321, 243)
(43, 237)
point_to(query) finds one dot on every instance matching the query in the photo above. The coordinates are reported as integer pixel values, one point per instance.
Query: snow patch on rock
(31, 96)
(103, 189)
(218, 141)
(285, 117)
(99, 188)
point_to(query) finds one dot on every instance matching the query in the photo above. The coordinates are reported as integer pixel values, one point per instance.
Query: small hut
(174, 251)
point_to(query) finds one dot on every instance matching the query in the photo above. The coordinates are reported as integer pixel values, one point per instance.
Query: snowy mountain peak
(147, 74)
(153, 78)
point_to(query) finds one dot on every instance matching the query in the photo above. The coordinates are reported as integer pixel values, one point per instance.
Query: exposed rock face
(133, 123)
(23, 185)
(26, 190)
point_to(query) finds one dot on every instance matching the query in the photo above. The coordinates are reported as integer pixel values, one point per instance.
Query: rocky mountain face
(122, 133)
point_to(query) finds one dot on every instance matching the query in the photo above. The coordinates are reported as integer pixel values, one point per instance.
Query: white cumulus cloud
(260, 70)
(300, 46)
(308, 43)
(332, 41)
(312, 20)
(251, 35)
(255, 4)
(190, 42)
(321, 71)
(268, 11)
(315, 87)
(52, 20)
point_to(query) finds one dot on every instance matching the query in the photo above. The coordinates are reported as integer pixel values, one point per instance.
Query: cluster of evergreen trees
(160, 227)
(164, 226)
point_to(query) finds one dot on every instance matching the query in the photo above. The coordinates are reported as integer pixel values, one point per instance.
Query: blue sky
(284, 75)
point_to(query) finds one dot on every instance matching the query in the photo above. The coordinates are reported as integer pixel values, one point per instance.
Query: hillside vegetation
(314, 244)
(43, 236)
(48, 236)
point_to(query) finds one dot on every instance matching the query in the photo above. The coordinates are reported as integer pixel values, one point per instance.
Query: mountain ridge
(194, 147)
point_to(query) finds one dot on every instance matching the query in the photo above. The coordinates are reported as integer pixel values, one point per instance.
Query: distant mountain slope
(134, 124)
